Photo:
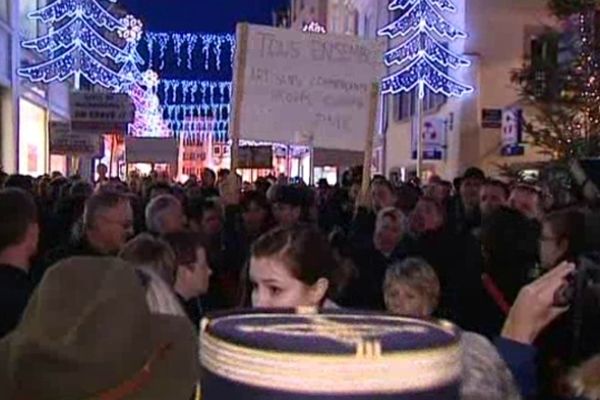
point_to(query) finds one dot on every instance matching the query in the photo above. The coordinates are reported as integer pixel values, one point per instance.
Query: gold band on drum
(399, 372)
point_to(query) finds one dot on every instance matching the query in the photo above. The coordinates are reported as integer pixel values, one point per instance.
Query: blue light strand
(423, 41)
(217, 111)
(211, 52)
(191, 44)
(421, 12)
(58, 10)
(209, 91)
(163, 41)
(178, 41)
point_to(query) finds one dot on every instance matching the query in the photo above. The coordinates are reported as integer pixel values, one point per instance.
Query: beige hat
(87, 333)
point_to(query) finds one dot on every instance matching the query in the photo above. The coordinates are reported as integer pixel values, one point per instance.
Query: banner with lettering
(291, 84)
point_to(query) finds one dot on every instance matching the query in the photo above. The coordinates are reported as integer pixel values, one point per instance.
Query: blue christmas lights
(77, 31)
(74, 45)
(419, 42)
(423, 57)
(184, 91)
(402, 4)
(422, 72)
(422, 14)
(58, 10)
(184, 45)
(73, 62)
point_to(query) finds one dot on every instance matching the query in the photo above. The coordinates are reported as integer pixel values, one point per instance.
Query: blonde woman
(412, 288)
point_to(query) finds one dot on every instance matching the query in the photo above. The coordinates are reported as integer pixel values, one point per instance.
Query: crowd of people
(102, 274)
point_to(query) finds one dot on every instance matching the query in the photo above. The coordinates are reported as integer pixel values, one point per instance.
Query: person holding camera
(537, 306)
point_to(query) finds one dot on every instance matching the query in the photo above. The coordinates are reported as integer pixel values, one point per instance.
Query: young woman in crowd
(291, 267)
(411, 288)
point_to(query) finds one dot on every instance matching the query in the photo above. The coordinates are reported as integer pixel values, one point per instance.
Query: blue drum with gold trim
(306, 354)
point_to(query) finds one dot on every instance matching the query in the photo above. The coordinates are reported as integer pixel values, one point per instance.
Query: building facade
(26, 108)
(500, 36)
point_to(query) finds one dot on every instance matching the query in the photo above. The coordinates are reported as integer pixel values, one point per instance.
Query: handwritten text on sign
(296, 83)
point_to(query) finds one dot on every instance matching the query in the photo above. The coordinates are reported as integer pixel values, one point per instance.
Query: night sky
(215, 16)
(199, 16)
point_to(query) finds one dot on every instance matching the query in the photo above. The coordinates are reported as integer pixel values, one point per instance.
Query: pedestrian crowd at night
(102, 282)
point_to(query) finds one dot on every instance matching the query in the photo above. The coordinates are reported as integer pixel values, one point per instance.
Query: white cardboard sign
(299, 84)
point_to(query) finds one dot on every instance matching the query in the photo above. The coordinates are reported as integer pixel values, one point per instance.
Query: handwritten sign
(293, 85)
(99, 113)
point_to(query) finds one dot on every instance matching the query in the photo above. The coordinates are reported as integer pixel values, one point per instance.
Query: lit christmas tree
(560, 84)
(76, 44)
(148, 120)
(422, 57)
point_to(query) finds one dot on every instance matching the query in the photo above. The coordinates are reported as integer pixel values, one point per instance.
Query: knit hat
(88, 333)
(305, 354)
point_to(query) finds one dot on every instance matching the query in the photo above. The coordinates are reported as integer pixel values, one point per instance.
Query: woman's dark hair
(184, 245)
(509, 242)
(568, 224)
(304, 250)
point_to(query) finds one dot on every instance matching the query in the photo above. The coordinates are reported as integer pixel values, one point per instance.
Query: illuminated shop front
(33, 139)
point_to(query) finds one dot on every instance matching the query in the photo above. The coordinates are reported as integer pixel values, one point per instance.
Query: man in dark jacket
(19, 234)
(107, 225)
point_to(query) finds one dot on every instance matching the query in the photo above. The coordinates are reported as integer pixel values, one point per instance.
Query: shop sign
(257, 157)
(64, 142)
(99, 113)
(512, 132)
(434, 139)
(491, 118)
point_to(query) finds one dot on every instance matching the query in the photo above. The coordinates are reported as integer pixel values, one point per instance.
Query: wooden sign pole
(240, 74)
(366, 176)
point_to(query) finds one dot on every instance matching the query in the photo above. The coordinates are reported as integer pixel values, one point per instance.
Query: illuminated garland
(76, 44)
(423, 57)
(183, 45)
(177, 91)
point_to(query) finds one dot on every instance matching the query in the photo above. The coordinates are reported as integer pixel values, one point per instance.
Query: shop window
(33, 141)
(406, 103)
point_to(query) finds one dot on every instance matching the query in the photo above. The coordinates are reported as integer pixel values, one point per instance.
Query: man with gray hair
(106, 226)
(164, 214)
